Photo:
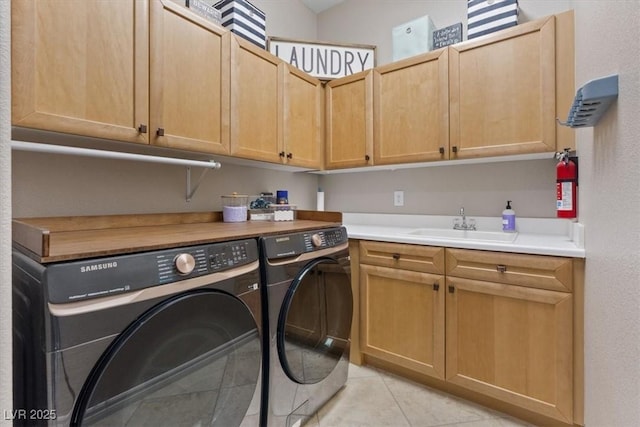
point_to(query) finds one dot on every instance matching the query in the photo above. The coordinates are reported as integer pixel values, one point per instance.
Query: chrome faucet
(464, 226)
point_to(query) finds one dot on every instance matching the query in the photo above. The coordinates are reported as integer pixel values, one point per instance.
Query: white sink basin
(444, 233)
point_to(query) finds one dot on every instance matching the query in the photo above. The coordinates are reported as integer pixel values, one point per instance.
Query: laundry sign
(324, 61)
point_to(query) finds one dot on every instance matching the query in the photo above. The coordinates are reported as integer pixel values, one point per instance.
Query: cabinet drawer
(535, 271)
(427, 259)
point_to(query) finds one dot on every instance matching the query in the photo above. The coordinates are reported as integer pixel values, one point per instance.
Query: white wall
(6, 399)
(608, 42)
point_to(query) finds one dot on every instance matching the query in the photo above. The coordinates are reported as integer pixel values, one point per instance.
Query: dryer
(308, 306)
(168, 337)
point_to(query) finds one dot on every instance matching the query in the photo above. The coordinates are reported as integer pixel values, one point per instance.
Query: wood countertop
(53, 239)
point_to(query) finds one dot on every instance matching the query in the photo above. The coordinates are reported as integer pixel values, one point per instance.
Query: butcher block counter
(53, 239)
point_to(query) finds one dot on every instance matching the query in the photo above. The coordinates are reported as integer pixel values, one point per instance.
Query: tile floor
(376, 398)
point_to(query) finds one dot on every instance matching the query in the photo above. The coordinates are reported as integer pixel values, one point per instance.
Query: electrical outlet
(398, 198)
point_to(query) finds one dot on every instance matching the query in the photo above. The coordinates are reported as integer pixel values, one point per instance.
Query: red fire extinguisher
(566, 185)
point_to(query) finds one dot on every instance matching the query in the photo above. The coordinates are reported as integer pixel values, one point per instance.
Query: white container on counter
(282, 212)
(234, 207)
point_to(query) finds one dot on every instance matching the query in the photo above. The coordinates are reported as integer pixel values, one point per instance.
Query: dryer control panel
(295, 244)
(100, 277)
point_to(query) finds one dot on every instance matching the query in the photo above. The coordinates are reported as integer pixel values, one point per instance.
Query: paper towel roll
(320, 200)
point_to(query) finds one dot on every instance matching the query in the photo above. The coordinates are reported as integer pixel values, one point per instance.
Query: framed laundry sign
(325, 61)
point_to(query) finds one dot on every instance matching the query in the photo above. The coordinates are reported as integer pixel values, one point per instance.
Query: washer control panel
(100, 277)
(199, 260)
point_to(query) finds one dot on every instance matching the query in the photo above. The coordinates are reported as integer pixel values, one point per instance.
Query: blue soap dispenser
(508, 219)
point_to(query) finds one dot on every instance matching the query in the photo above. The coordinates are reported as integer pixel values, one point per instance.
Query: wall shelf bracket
(191, 191)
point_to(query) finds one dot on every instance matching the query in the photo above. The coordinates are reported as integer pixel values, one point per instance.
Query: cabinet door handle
(290, 156)
(452, 289)
(454, 148)
(160, 132)
(441, 150)
(281, 154)
(396, 256)
(366, 157)
(436, 286)
(142, 129)
(501, 268)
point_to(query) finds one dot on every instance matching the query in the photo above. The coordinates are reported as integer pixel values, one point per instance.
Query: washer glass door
(193, 359)
(315, 321)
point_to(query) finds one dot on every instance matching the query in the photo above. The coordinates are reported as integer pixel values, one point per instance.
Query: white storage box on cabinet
(412, 38)
(244, 19)
(487, 16)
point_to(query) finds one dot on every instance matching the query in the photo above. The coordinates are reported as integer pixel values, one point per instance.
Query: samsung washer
(169, 337)
(308, 311)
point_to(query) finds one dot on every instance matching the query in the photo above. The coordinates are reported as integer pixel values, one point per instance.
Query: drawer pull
(436, 286)
(452, 289)
(501, 268)
(396, 256)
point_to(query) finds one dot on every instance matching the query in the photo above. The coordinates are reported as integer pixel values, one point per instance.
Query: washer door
(193, 359)
(315, 321)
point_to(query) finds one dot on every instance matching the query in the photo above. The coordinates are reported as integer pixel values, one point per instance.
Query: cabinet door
(81, 67)
(349, 121)
(411, 109)
(402, 318)
(502, 92)
(512, 343)
(256, 103)
(303, 98)
(189, 80)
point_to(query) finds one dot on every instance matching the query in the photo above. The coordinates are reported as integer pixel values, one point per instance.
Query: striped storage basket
(244, 19)
(487, 16)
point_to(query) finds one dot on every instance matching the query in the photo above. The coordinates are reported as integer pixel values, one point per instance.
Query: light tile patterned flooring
(376, 398)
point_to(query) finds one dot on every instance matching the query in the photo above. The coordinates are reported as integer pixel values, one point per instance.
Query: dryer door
(314, 323)
(193, 359)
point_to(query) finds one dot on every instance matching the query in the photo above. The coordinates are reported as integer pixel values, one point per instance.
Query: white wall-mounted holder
(591, 102)
(105, 154)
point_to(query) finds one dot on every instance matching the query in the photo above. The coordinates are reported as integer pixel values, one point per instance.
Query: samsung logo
(98, 267)
(283, 239)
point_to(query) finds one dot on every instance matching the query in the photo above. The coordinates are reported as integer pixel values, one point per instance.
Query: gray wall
(482, 189)
(54, 185)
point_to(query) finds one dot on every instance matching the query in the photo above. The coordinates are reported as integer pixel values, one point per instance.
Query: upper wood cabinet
(256, 103)
(411, 109)
(503, 92)
(303, 100)
(349, 121)
(189, 78)
(128, 71)
(81, 67)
